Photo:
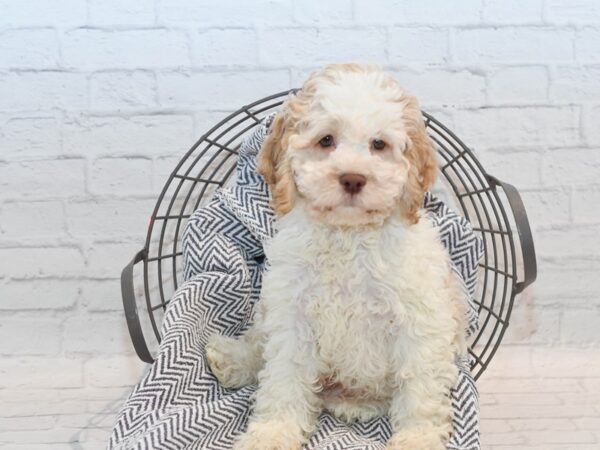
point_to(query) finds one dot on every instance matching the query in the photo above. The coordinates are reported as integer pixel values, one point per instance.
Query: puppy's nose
(353, 182)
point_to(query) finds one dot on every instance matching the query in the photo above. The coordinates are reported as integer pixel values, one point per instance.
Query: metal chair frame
(492, 206)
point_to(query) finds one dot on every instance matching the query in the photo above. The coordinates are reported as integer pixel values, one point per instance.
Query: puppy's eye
(378, 144)
(326, 141)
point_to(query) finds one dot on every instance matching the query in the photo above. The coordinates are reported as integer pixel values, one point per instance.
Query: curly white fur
(360, 312)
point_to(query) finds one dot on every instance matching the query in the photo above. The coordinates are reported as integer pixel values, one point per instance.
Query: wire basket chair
(493, 207)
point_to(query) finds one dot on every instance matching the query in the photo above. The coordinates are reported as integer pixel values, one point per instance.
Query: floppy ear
(271, 150)
(423, 169)
(275, 168)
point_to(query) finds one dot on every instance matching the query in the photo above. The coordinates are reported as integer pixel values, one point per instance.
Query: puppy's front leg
(421, 409)
(287, 405)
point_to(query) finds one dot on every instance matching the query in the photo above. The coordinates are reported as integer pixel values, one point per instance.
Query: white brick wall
(99, 98)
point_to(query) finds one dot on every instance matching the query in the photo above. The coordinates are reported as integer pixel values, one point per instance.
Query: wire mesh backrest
(210, 163)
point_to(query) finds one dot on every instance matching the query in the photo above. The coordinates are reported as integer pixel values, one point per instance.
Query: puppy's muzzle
(353, 182)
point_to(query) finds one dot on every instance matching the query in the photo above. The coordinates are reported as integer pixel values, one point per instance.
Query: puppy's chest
(350, 282)
(350, 308)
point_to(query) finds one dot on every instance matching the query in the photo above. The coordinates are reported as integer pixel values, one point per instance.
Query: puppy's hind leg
(235, 362)
(350, 410)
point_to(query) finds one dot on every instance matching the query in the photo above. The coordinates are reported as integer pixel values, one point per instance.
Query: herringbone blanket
(179, 404)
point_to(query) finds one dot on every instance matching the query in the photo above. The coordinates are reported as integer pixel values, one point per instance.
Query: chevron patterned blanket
(179, 404)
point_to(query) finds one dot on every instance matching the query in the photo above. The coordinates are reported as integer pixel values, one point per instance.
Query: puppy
(360, 311)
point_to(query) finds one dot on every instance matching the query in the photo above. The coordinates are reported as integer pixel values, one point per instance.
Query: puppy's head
(353, 145)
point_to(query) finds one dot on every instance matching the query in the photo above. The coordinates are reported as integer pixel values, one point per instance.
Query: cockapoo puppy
(360, 311)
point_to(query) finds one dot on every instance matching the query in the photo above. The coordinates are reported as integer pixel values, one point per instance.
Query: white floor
(541, 399)
(530, 399)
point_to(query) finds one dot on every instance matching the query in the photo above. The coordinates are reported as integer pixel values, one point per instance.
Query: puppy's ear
(275, 168)
(271, 150)
(423, 167)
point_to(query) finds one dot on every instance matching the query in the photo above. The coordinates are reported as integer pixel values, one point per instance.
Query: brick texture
(100, 98)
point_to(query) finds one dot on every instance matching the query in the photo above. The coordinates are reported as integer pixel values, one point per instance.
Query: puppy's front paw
(272, 435)
(430, 438)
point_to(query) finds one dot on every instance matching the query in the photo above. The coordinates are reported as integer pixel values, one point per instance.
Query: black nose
(353, 182)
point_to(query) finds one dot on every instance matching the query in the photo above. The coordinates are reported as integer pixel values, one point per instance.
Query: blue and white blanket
(179, 404)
